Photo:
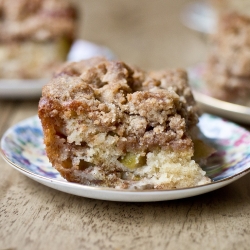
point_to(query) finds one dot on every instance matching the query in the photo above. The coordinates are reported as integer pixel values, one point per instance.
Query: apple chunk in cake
(108, 124)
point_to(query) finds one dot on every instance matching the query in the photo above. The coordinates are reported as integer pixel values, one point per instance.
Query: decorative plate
(31, 88)
(212, 105)
(22, 147)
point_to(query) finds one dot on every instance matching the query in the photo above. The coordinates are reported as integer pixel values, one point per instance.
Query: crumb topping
(144, 110)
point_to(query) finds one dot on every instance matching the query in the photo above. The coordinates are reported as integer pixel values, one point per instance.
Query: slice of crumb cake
(108, 124)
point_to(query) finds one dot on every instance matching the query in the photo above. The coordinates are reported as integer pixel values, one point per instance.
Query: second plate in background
(31, 88)
(212, 105)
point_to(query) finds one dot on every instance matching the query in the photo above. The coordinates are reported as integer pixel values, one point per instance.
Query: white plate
(235, 112)
(21, 88)
(31, 88)
(199, 16)
(22, 147)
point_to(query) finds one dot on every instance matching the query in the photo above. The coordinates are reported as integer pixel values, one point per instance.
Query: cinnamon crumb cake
(35, 36)
(228, 65)
(108, 124)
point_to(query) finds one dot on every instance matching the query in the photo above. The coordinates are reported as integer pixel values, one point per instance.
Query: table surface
(32, 216)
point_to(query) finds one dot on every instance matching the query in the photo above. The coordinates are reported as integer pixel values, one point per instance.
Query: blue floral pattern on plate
(22, 146)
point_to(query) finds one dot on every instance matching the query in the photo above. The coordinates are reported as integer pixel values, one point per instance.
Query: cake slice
(230, 46)
(227, 72)
(35, 36)
(108, 124)
(222, 84)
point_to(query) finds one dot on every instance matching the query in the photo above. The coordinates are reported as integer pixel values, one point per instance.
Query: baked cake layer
(28, 59)
(108, 124)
